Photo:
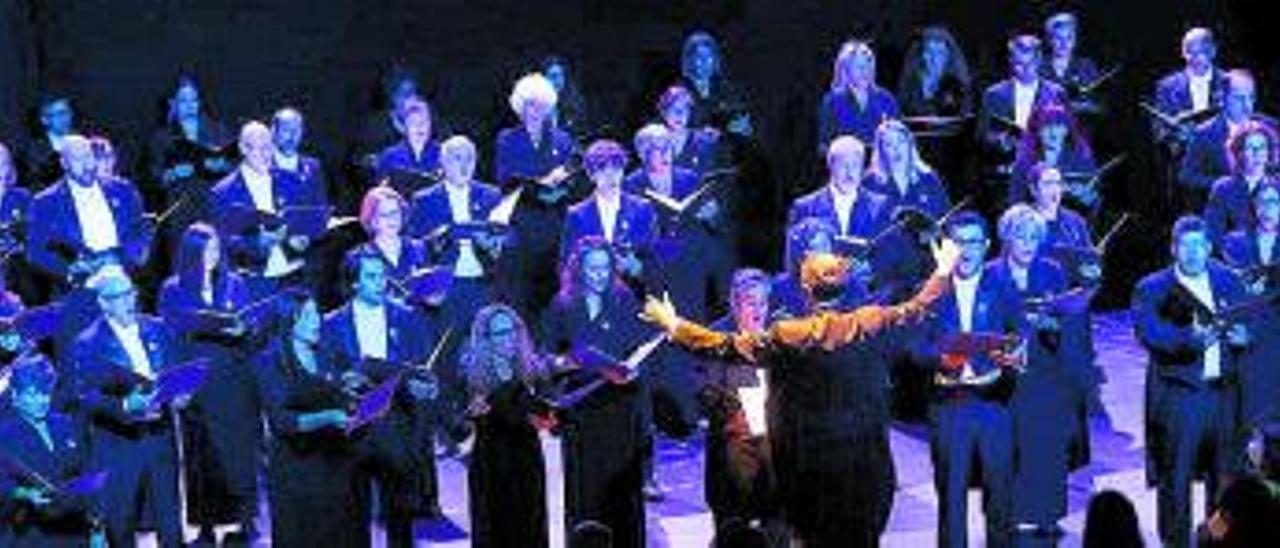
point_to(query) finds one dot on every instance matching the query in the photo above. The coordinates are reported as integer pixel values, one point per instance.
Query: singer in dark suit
(370, 339)
(1191, 392)
(109, 362)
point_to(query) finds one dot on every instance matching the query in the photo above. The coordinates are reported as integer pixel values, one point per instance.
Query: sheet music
(632, 362)
(279, 266)
(335, 222)
(753, 400)
(501, 213)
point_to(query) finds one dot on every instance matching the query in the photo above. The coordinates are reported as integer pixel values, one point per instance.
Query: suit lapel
(68, 206)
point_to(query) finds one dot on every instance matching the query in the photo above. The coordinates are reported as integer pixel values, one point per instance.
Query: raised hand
(946, 254)
(660, 312)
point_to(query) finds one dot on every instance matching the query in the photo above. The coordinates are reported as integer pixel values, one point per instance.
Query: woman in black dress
(935, 78)
(222, 427)
(186, 155)
(506, 480)
(311, 471)
(604, 433)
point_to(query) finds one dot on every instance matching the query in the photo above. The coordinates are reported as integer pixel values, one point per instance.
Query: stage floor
(683, 520)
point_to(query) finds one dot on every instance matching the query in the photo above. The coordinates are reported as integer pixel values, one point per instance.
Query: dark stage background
(117, 58)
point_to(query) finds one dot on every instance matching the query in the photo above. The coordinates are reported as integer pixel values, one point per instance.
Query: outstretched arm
(826, 330)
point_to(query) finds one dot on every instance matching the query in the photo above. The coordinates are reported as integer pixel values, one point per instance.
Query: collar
(121, 328)
(1202, 79)
(614, 201)
(1187, 280)
(287, 160)
(252, 176)
(972, 281)
(456, 188)
(1032, 87)
(358, 305)
(838, 194)
(83, 190)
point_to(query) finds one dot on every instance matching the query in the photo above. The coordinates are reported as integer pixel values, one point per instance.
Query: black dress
(603, 435)
(506, 479)
(311, 476)
(222, 428)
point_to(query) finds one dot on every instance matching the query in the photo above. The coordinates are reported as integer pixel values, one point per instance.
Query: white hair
(457, 142)
(845, 144)
(1018, 217)
(650, 137)
(532, 87)
(251, 127)
(1196, 34)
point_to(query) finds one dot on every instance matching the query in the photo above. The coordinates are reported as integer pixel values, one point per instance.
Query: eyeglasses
(117, 295)
(501, 333)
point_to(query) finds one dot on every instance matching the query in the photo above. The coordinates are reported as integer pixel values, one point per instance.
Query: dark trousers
(965, 430)
(1201, 434)
(146, 468)
(738, 480)
(1043, 423)
(390, 459)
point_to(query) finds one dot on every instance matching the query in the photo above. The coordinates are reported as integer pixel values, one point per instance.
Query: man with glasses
(1192, 365)
(739, 478)
(113, 365)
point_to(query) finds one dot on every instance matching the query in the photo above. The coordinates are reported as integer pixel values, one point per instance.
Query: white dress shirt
(1024, 98)
(56, 142)
(287, 162)
(843, 202)
(97, 223)
(260, 190)
(130, 338)
(1203, 291)
(966, 295)
(608, 213)
(1266, 247)
(259, 185)
(468, 264)
(753, 399)
(1019, 275)
(1199, 88)
(371, 329)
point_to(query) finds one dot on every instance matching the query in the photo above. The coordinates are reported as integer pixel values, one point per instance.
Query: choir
(334, 336)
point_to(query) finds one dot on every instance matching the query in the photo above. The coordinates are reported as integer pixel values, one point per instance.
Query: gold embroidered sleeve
(844, 328)
(700, 340)
(830, 330)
